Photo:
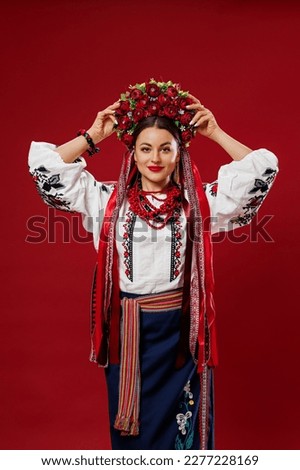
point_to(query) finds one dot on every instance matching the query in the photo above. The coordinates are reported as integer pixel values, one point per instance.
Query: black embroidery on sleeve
(251, 207)
(259, 185)
(48, 187)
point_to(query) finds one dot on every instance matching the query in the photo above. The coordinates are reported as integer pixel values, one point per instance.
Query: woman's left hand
(204, 120)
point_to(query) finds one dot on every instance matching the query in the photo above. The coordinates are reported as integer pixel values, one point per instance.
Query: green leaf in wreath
(141, 86)
(132, 103)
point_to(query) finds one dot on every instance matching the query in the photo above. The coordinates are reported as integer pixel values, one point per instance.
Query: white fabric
(152, 255)
(70, 187)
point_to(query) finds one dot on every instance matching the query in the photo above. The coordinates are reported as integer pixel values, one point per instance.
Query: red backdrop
(62, 61)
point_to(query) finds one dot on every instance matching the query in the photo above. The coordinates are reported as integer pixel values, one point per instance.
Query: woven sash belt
(127, 419)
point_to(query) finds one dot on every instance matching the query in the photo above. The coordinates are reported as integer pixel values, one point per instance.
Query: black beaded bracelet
(92, 147)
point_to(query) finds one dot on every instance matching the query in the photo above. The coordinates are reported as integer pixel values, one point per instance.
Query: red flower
(123, 108)
(127, 272)
(127, 139)
(126, 254)
(136, 94)
(177, 254)
(138, 114)
(183, 102)
(171, 91)
(176, 272)
(153, 108)
(170, 111)
(141, 103)
(152, 90)
(186, 118)
(178, 235)
(124, 122)
(164, 99)
(186, 135)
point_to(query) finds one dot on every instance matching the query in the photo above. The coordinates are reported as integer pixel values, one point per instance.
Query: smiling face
(156, 154)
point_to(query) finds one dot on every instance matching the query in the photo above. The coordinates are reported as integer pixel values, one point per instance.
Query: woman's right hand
(103, 125)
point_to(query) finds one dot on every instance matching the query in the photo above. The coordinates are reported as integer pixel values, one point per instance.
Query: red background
(62, 61)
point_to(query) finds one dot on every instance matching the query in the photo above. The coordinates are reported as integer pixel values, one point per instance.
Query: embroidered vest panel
(150, 260)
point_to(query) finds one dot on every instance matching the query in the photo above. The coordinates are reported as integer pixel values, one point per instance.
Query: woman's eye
(145, 149)
(166, 149)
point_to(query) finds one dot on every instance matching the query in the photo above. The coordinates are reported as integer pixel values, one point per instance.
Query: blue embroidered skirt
(170, 397)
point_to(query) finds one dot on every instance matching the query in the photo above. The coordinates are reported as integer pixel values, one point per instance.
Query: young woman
(153, 313)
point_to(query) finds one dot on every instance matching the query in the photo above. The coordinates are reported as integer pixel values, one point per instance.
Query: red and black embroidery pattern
(176, 244)
(47, 187)
(128, 243)
(261, 186)
(213, 188)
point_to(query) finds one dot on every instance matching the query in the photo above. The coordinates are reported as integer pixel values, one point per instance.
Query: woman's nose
(155, 156)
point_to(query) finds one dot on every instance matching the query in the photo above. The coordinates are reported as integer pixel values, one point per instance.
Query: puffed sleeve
(240, 189)
(68, 186)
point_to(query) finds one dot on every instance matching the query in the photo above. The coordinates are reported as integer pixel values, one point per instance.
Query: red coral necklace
(139, 204)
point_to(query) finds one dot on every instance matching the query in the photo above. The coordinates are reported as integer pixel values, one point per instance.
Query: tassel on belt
(127, 419)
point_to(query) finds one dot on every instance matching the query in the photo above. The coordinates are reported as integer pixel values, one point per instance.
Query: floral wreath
(154, 98)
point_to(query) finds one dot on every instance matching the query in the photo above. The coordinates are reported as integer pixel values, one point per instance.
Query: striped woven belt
(127, 419)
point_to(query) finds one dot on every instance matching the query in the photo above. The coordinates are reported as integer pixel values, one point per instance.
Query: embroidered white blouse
(151, 261)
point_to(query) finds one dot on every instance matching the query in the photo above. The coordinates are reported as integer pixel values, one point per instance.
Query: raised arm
(61, 178)
(206, 124)
(243, 184)
(102, 127)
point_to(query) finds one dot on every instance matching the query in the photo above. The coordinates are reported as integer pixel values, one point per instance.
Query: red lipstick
(155, 168)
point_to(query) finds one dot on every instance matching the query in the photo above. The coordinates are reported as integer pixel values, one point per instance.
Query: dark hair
(161, 122)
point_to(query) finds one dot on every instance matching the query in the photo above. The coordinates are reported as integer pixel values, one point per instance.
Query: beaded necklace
(139, 204)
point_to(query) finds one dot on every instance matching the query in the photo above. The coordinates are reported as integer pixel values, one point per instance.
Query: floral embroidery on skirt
(184, 439)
